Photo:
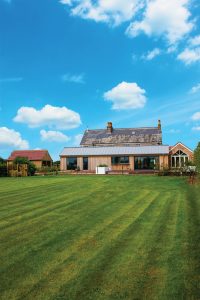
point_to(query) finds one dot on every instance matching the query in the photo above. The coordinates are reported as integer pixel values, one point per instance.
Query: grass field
(88, 237)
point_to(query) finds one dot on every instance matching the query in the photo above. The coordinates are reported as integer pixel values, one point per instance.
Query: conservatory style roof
(104, 151)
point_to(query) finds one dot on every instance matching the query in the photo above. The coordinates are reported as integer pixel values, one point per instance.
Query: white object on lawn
(102, 170)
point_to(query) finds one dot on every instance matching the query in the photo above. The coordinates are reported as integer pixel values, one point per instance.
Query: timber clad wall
(98, 160)
(164, 161)
(94, 161)
(63, 163)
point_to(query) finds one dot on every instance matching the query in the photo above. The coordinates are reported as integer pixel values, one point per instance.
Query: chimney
(159, 124)
(109, 127)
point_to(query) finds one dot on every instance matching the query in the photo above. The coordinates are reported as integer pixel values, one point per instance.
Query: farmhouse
(129, 149)
(40, 158)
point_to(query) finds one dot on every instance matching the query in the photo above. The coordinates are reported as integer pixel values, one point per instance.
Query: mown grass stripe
(84, 255)
(99, 238)
(53, 243)
(30, 228)
(113, 252)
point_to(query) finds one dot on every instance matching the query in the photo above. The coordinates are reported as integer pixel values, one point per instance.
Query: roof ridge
(121, 128)
(133, 146)
(29, 150)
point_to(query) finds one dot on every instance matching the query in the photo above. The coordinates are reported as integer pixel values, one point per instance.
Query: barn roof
(95, 151)
(30, 154)
(145, 135)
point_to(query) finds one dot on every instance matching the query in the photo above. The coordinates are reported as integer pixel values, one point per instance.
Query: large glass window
(119, 160)
(71, 163)
(146, 162)
(85, 163)
(179, 159)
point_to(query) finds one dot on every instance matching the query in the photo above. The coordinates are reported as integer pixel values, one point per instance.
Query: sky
(71, 65)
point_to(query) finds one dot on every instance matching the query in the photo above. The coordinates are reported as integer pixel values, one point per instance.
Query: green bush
(163, 172)
(197, 157)
(3, 168)
(47, 169)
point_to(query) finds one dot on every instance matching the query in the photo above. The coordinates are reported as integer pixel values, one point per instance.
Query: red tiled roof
(30, 154)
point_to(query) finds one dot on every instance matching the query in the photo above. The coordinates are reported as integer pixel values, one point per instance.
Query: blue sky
(70, 65)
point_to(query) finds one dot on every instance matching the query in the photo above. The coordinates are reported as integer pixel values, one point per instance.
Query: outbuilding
(40, 158)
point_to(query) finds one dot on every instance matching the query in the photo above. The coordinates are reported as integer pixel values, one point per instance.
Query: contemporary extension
(131, 149)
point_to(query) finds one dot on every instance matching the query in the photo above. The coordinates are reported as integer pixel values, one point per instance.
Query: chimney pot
(109, 127)
(159, 124)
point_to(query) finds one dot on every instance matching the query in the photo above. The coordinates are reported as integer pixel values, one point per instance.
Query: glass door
(85, 163)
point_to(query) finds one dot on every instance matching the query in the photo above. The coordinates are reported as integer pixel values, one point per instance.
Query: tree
(3, 167)
(2, 161)
(24, 160)
(197, 157)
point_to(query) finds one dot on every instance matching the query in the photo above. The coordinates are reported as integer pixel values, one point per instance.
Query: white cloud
(197, 128)
(195, 41)
(77, 139)
(68, 2)
(51, 116)
(113, 12)
(189, 56)
(126, 96)
(53, 136)
(174, 131)
(164, 18)
(195, 89)
(11, 79)
(12, 138)
(73, 78)
(152, 54)
(196, 116)
(172, 49)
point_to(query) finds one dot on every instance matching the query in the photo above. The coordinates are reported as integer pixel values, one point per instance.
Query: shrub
(163, 172)
(3, 171)
(45, 169)
(102, 165)
(3, 168)
(197, 157)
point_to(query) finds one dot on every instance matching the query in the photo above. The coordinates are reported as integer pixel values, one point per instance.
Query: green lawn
(106, 237)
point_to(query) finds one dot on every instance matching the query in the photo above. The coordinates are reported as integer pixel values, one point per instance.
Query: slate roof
(92, 151)
(120, 136)
(30, 154)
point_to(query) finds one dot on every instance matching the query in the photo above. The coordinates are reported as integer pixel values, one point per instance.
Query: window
(146, 162)
(85, 163)
(71, 163)
(179, 159)
(119, 160)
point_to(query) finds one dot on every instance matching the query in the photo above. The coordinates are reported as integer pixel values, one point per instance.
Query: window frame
(120, 160)
(75, 165)
(141, 162)
(85, 157)
(179, 159)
